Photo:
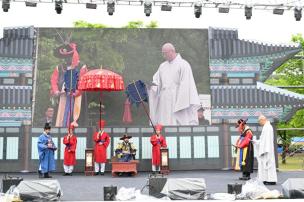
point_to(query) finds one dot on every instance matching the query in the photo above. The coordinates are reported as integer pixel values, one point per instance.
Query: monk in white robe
(265, 153)
(173, 97)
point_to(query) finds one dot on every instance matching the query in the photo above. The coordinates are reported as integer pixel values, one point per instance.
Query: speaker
(234, 188)
(156, 185)
(109, 193)
(293, 188)
(9, 181)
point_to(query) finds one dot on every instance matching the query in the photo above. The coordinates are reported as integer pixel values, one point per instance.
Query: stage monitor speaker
(156, 185)
(234, 188)
(293, 188)
(109, 193)
(8, 181)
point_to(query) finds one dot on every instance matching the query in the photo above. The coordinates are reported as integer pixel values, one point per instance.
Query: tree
(291, 73)
(131, 24)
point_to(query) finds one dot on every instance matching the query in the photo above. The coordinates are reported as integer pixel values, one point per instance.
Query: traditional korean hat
(68, 51)
(159, 127)
(241, 122)
(125, 136)
(101, 123)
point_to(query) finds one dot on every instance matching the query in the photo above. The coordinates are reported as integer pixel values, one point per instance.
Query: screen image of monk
(173, 96)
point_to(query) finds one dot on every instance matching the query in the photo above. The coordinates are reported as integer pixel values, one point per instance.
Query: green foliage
(291, 73)
(131, 24)
(84, 24)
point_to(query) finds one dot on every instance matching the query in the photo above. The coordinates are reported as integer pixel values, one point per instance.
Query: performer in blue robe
(46, 149)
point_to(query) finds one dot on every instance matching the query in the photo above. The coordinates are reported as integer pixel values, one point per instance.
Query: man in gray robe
(265, 153)
(173, 97)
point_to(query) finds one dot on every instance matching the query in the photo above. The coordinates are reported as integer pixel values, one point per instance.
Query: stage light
(298, 13)
(223, 10)
(30, 4)
(148, 8)
(248, 12)
(5, 5)
(197, 9)
(278, 11)
(58, 6)
(166, 7)
(91, 6)
(111, 7)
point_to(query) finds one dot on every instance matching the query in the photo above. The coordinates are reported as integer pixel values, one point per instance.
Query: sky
(263, 27)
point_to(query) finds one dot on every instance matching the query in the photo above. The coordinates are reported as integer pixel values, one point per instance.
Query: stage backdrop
(135, 54)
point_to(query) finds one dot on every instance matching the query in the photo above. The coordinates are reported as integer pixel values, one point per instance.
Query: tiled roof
(17, 43)
(260, 95)
(225, 44)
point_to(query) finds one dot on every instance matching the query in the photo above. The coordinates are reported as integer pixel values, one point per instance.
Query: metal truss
(233, 4)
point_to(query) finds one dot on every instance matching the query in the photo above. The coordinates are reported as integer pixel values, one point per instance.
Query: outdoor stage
(90, 188)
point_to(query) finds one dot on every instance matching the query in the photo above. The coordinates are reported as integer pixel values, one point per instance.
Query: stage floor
(90, 188)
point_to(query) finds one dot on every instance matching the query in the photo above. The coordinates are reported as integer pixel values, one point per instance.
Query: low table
(124, 167)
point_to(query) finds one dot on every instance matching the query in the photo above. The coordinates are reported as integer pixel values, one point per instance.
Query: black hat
(241, 121)
(125, 136)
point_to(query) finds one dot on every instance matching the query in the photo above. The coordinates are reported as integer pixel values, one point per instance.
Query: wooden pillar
(226, 145)
(25, 147)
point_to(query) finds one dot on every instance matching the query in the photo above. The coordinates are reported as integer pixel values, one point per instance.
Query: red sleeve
(65, 140)
(246, 139)
(163, 142)
(107, 140)
(153, 140)
(73, 144)
(95, 137)
(54, 81)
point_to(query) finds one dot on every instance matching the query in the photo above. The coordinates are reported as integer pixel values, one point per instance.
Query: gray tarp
(39, 190)
(185, 188)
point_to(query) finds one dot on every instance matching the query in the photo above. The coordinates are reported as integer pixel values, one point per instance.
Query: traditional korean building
(238, 70)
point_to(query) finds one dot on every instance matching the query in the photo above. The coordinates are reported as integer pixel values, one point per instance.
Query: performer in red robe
(70, 141)
(245, 154)
(102, 141)
(157, 141)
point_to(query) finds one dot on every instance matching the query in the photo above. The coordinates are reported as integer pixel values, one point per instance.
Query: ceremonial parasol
(101, 80)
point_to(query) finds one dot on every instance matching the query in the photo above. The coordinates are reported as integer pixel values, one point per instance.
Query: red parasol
(101, 80)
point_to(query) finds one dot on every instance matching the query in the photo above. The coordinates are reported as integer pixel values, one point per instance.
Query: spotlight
(197, 9)
(5, 5)
(166, 7)
(58, 6)
(278, 11)
(223, 10)
(30, 4)
(148, 8)
(91, 6)
(111, 7)
(298, 13)
(248, 12)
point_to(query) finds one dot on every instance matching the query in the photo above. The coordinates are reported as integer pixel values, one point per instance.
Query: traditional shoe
(101, 173)
(269, 183)
(46, 175)
(40, 174)
(244, 178)
(96, 173)
(65, 174)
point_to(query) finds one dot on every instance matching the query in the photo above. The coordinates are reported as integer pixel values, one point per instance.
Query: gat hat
(125, 136)
(241, 121)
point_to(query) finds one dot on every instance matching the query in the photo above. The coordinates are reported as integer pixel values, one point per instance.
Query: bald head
(168, 51)
(262, 120)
